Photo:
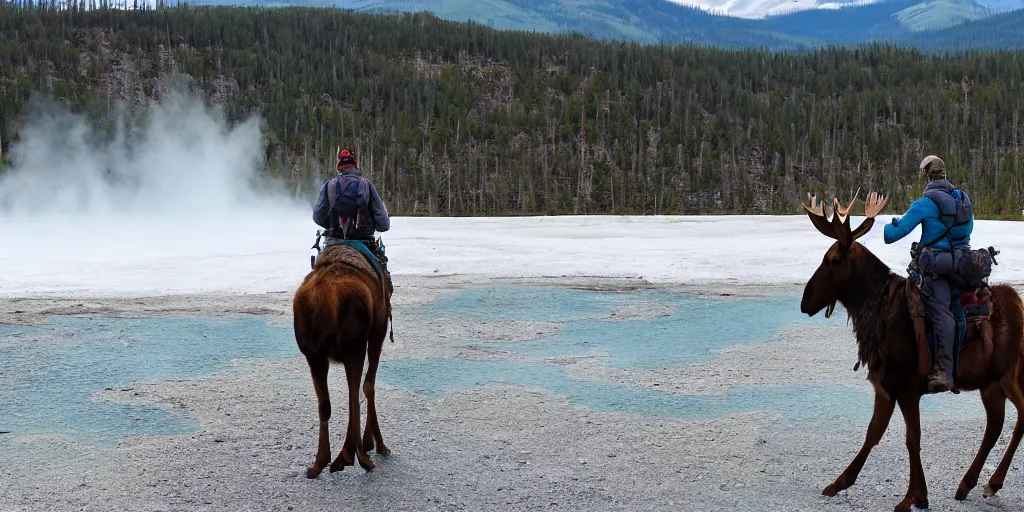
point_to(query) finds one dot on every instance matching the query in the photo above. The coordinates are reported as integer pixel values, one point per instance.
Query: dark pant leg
(936, 296)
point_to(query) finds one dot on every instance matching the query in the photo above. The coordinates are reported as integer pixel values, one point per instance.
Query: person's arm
(381, 218)
(322, 208)
(902, 226)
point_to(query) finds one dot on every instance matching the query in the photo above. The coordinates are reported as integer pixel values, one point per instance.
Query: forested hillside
(451, 118)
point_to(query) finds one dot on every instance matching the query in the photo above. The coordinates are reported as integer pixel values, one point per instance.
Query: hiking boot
(939, 381)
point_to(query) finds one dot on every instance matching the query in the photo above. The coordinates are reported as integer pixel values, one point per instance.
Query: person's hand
(873, 204)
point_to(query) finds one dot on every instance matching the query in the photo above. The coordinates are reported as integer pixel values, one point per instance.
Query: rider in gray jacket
(372, 217)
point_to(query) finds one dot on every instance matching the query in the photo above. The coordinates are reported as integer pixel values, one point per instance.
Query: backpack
(346, 204)
(973, 267)
(962, 214)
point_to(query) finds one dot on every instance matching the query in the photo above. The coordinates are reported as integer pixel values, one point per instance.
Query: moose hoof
(991, 490)
(921, 504)
(366, 463)
(313, 472)
(340, 463)
(831, 490)
(962, 492)
(902, 507)
(383, 450)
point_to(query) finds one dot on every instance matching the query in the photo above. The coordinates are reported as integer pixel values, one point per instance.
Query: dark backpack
(347, 203)
(973, 267)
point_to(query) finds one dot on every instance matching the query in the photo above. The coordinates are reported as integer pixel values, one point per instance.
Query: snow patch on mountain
(760, 8)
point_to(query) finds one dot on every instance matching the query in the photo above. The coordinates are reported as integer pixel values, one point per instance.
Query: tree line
(456, 119)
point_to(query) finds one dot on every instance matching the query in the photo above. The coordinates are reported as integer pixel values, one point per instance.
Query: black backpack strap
(940, 237)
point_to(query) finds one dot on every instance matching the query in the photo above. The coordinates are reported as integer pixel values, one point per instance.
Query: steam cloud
(178, 159)
(170, 198)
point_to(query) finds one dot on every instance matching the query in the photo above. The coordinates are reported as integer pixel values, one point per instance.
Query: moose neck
(868, 304)
(868, 280)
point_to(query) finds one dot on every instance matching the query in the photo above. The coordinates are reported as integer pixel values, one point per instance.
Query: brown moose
(341, 312)
(897, 354)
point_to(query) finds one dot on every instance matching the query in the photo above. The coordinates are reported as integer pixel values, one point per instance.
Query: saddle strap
(917, 314)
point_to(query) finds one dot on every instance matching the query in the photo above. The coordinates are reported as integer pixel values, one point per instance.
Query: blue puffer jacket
(924, 211)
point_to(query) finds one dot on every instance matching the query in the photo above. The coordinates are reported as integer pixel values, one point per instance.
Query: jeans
(937, 298)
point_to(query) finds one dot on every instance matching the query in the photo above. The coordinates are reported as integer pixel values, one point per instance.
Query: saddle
(371, 250)
(368, 257)
(973, 319)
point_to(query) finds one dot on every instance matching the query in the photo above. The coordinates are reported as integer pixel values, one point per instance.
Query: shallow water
(434, 377)
(689, 330)
(50, 375)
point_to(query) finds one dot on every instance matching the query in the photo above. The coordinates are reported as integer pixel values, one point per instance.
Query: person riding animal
(947, 221)
(349, 208)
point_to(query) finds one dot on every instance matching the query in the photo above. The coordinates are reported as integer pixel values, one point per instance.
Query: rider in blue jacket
(941, 234)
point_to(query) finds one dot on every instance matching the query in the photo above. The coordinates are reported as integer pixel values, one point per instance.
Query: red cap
(345, 159)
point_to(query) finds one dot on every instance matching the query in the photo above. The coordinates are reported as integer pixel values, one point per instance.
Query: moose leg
(372, 434)
(1012, 390)
(879, 422)
(995, 410)
(353, 373)
(318, 367)
(917, 490)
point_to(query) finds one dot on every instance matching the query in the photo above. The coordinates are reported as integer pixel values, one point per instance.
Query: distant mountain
(892, 20)
(762, 8)
(940, 14)
(1002, 5)
(784, 25)
(995, 32)
(645, 21)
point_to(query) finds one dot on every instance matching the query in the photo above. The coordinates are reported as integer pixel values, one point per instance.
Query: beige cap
(933, 166)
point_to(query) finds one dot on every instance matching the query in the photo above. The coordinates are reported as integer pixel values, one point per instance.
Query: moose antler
(836, 224)
(844, 213)
(872, 207)
(828, 223)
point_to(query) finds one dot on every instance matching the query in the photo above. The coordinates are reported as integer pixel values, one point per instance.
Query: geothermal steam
(170, 197)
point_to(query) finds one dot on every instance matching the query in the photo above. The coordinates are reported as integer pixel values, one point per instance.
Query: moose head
(838, 269)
